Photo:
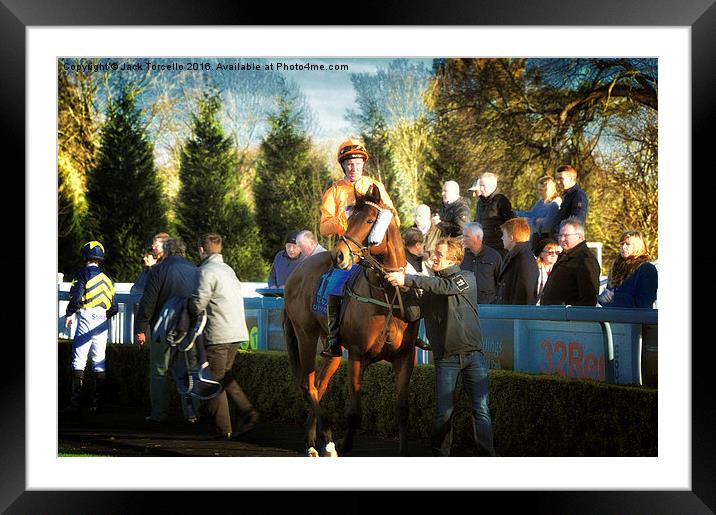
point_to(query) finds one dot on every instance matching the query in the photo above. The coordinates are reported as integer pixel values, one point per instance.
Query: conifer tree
(209, 200)
(124, 193)
(289, 179)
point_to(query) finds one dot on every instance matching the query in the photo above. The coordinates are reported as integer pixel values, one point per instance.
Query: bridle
(366, 260)
(363, 254)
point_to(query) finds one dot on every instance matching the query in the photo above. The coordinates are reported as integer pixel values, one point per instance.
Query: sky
(330, 93)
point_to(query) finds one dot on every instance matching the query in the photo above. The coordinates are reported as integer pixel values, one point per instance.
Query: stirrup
(333, 351)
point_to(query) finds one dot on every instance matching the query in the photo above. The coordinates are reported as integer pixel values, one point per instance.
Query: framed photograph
(678, 36)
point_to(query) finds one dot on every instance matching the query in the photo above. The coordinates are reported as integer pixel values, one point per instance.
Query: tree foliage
(124, 194)
(208, 199)
(77, 142)
(523, 118)
(290, 178)
(393, 121)
(241, 159)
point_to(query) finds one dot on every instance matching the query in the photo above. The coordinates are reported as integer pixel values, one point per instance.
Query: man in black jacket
(454, 213)
(173, 276)
(493, 209)
(574, 199)
(482, 261)
(574, 279)
(453, 326)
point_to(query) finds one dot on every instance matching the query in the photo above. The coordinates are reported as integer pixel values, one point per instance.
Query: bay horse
(372, 328)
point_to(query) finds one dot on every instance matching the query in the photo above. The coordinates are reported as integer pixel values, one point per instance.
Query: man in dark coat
(575, 276)
(482, 261)
(285, 261)
(454, 213)
(493, 209)
(173, 276)
(517, 283)
(574, 199)
(452, 324)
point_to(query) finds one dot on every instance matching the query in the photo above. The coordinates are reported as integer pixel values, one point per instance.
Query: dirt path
(120, 431)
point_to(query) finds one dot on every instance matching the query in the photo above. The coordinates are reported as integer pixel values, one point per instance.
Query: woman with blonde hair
(547, 252)
(633, 280)
(543, 214)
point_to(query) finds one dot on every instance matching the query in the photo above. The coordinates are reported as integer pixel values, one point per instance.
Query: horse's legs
(312, 416)
(325, 434)
(314, 421)
(328, 368)
(354, 410)
(403, 368)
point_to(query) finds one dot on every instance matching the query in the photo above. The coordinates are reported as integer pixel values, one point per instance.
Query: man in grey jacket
(219, 294)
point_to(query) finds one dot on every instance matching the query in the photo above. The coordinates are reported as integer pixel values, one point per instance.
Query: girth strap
(370, 300)
(387, 304)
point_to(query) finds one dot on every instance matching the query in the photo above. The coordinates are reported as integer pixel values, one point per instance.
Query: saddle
(332, 282)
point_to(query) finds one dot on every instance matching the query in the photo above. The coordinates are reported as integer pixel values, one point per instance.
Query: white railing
(122, 325)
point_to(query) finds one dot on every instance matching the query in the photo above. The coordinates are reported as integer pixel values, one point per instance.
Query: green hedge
(532, 415)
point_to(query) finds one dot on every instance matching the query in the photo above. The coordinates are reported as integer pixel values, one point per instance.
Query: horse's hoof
(330, 451)
(311, 452)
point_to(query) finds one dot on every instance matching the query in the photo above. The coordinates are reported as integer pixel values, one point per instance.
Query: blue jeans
(473, 367)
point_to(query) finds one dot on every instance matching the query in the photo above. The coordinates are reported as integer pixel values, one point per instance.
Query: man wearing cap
(475, 189)
(285, 261)
(336, 207)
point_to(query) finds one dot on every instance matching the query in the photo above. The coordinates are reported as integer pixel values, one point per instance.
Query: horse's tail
(292, 347)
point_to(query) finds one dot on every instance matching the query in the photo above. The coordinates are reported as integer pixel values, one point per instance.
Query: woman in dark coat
(633, 280)
(517, 282)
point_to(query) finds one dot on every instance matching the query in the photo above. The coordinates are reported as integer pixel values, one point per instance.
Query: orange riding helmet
(351, 148)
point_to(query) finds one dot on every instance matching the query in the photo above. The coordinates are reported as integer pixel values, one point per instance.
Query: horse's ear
(373, 194)
(367, 190)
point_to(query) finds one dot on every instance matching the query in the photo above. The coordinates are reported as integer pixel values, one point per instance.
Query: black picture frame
(17, 15)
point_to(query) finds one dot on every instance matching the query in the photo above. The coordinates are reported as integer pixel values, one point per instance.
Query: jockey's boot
(422, 344)
(333, 308)
(97, 395)
(76, 393)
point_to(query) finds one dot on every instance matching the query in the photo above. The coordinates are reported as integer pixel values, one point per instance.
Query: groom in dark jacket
(174, 276)
(453, 326)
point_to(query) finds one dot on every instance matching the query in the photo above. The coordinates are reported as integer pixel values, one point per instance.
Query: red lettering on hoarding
(547, 366)
(576, 353)
(572, 362)
(560, 347)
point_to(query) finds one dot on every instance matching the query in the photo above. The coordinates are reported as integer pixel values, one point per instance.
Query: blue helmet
(92, 250)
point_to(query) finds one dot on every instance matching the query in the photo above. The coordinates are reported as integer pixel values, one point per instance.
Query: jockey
(336, 207)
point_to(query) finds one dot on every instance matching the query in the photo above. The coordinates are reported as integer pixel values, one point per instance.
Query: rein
(366, 260)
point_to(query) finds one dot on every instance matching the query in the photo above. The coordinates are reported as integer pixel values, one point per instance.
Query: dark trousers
(221, 358)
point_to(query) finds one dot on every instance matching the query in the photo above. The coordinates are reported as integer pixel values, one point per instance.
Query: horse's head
(371, 228)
